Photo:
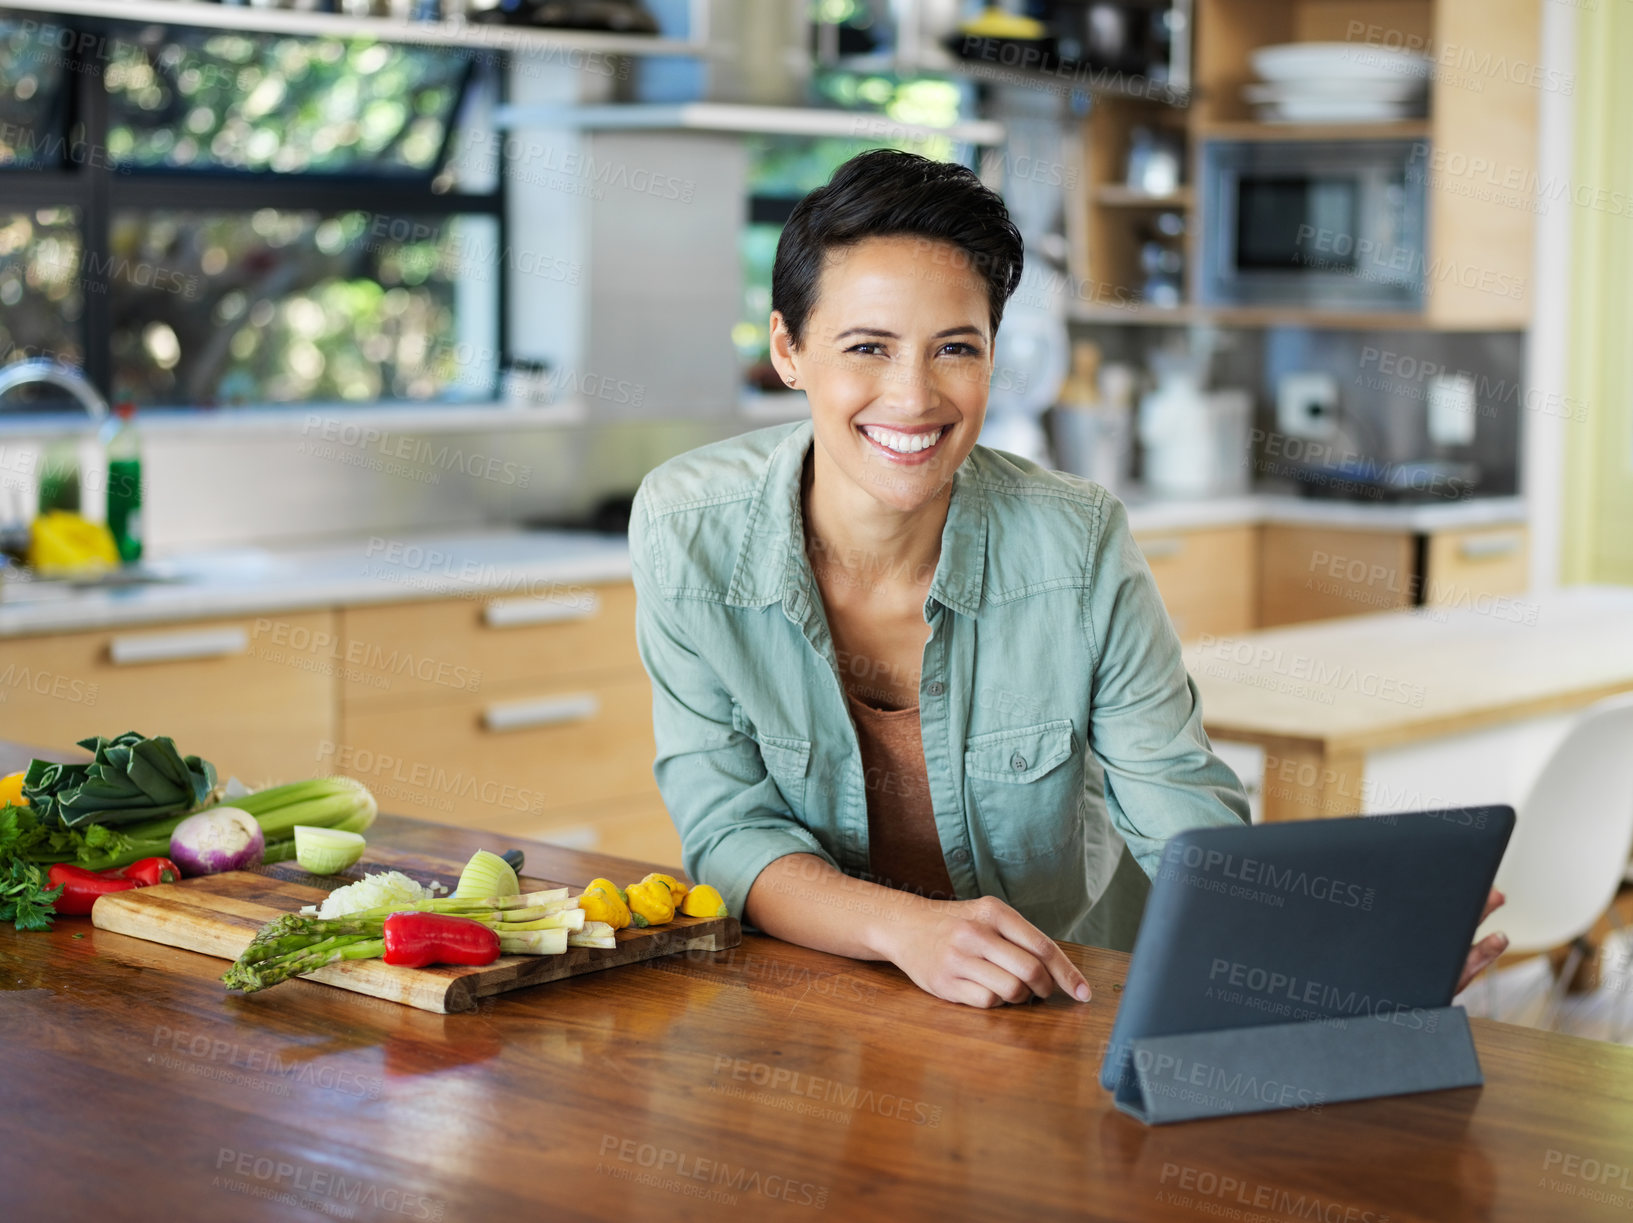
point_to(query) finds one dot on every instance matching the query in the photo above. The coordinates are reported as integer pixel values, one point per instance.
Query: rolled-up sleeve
(731, 817)
(1162, 775)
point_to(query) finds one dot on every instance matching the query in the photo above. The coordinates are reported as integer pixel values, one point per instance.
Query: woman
(914, 699)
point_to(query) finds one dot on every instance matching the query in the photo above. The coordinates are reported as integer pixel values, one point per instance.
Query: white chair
(1572, 838)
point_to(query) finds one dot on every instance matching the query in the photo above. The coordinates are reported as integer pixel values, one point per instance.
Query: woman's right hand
(980, 953)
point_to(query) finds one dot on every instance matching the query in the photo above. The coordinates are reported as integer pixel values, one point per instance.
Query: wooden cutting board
(219, 914)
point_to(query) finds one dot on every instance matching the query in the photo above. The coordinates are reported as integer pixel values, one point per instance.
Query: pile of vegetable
(137, 802)
(651, 902)
(391, 917)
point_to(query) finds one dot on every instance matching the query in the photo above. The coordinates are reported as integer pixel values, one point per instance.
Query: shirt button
(936, 688)
(1018, 762)
(960, 854)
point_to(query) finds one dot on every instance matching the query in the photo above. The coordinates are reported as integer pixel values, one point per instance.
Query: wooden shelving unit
(1249, 129)
(1479, 241)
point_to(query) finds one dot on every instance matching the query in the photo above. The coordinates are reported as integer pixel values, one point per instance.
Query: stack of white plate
(1337, 82)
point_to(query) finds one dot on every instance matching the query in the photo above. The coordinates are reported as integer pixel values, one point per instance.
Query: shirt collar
(772, 565)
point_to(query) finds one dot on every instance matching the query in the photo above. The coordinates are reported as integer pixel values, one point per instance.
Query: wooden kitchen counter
(765, 1082)
(1319, 697)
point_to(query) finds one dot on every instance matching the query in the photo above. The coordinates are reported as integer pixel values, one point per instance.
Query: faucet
(26, 373)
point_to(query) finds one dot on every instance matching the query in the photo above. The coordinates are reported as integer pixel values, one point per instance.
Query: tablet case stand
(1297, 1065)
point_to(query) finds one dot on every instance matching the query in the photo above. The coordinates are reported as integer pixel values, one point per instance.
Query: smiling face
(896, 360)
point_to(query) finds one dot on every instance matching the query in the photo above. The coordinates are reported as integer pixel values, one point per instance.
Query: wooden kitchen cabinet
(438, 649)
(253, 696)
(1475, 565)
(507, 756)
(520, 714)
(1317, 573)
(1205, 577)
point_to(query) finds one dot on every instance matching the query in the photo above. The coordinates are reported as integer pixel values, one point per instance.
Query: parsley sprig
(25, 901)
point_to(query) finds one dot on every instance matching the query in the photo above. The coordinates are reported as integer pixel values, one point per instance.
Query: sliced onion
(485, 875)
(326, 851)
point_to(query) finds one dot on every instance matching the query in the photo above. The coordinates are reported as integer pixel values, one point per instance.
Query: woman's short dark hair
(890, 193)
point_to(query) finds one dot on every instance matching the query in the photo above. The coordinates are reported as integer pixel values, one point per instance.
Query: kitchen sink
(17, 586)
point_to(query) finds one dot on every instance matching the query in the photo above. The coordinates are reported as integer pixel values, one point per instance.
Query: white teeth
(903, 443)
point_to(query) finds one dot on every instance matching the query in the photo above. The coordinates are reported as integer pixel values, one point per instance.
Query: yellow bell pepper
(650, 902)
(704, 901)
(604, 904)
(11, 790)
(677, 891)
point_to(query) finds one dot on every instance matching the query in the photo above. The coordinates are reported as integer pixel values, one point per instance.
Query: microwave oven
(1334, 225)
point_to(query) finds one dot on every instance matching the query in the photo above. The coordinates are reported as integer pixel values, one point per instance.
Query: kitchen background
(408, 296)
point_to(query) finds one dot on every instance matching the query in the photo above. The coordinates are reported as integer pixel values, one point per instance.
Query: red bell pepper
(81, 887)
(148, 872)
(414, 940)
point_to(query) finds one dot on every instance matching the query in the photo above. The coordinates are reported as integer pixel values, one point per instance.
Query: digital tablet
(1278, 923)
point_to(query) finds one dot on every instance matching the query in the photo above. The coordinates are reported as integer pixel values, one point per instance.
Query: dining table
(765, 1081)
(1417, 707)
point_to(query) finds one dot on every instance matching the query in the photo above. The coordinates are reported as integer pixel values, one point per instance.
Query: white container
(1196, 443)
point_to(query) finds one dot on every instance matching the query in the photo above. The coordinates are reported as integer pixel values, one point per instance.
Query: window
(209, 218)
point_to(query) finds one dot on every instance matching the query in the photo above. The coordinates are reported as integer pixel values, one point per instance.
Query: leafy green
(25, 901)
(130, 780)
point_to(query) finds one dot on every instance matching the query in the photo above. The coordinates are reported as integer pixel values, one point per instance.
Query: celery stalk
(567, 919)
(534, 942)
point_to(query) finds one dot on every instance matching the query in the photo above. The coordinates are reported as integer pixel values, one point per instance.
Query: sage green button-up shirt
(1058, 721)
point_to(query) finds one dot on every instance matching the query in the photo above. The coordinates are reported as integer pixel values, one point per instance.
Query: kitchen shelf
(1094, 83)
(1115, 195)
(1250, 316)
(1399, 129)
(726, 117)
(497, 38)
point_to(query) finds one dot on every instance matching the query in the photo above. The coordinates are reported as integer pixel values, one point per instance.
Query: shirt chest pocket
(1026, 785)
(787, 759)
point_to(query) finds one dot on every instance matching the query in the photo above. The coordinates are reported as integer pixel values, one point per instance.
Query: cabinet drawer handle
(172, 647)
(1161, 549)
(1488, 547)
(550, 711)
(551, 609)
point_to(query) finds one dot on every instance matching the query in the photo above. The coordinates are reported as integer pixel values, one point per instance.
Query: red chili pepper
(81, 887)
(414, 940)
(148, 872)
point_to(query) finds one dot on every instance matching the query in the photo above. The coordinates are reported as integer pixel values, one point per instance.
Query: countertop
(500, 562)
(497, 563)
(1147, 513)
(764, 1082)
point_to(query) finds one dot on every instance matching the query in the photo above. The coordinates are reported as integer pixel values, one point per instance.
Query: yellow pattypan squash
(704, 901)
(677, 891)
(610, 886)
(650, 902)
(601, 902)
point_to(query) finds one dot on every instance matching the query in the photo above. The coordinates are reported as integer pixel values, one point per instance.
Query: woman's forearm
(801, 899)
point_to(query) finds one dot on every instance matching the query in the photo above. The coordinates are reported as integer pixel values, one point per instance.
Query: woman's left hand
(1484, 953)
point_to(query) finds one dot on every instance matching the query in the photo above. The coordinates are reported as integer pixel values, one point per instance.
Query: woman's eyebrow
(967, 329)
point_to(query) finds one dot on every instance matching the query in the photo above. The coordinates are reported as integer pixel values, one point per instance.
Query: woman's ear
(783, 354)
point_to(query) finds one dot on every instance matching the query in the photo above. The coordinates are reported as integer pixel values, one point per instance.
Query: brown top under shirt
(904, 850)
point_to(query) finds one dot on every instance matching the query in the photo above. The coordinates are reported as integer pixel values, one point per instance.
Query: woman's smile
(905, 445)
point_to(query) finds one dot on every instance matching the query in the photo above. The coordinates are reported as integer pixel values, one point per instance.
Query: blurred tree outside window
(214, 218)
